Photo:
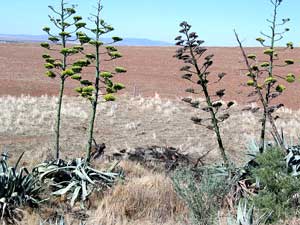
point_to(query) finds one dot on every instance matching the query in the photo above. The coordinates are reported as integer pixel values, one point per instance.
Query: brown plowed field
(150, 70)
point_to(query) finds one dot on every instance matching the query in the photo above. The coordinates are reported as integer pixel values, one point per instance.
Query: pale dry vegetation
(27, 125)
(145, 196)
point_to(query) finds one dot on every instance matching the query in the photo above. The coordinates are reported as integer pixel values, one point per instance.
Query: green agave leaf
(86, 176)
(84, 190)
(75, 195)
(65, 190)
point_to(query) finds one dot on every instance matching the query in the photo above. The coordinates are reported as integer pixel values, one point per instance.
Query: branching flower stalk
(89, 89)
(190, 52)
(268, 89)
(60, 67)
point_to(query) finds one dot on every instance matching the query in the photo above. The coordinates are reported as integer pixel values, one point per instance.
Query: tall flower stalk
(197, 72)
(60, 66)
(103, 78)
(263, 77)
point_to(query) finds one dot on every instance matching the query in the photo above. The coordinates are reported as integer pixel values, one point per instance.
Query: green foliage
(45, 45)
(111, 48)
(67, 73)
(280, 88)
(109, 97)
(118, 86)
(76, 69)
(277, 188)
(83, 38)
(77, 18)
(203, 191)
(74, 179)
(261, 40)
(290, 78)
(50, 60)
(88, 89)
(115, 54)
(116, 39)
(289, 61)
(120, 69)
(76, 77)
(46, 56)
(18, 188)
(80, 25)
(78, 48)
(53, 39)
(270, 80)
(49, 65)
(290, 45)
(68, 51)
(269, 51)
(106, 74)
(78, 90)
(250, 83)
(90, 56)
(251, 56)
(82, 63)
(50, 74)
(96, 43)
(265, 64)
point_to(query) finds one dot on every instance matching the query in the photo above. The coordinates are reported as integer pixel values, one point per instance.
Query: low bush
(278, 190)
(203, 191)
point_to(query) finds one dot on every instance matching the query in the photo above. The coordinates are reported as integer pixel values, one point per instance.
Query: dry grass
(145, 197)
(149, 198)
(27, 125)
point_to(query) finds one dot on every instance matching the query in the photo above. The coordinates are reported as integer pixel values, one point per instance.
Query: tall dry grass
(145, 197)
(26, 124)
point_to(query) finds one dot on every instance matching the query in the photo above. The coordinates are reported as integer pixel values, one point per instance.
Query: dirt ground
(150, 70)
(26, 123)
(149, 112)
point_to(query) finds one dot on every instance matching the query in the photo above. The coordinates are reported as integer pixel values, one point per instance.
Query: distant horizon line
(151, 42)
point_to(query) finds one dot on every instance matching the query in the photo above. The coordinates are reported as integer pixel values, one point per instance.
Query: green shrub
(203, 191)
(277, 189)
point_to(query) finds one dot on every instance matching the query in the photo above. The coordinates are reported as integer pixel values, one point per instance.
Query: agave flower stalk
(61, 67)
(190, 52)
(103, 78)
(264, 79)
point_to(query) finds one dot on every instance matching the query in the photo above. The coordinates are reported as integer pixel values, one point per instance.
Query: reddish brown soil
(150, 70)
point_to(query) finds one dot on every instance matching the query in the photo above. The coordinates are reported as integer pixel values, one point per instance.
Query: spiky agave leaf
(18, 188)
(75, 178)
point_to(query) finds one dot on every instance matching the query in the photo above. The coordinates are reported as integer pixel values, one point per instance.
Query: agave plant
(246, 216)
(75, 179)
(293, 159)
(18, 188)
